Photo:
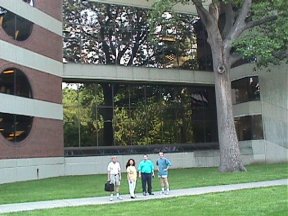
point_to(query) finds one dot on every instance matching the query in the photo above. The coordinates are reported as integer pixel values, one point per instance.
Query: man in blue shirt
(146, 172)
(163, 165)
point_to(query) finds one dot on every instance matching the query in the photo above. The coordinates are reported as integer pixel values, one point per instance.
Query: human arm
(168, 164)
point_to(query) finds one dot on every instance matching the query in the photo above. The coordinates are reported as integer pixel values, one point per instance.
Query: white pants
(132, 186)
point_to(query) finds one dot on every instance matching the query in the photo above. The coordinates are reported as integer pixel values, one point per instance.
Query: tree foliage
(238, 31)
(263, 39)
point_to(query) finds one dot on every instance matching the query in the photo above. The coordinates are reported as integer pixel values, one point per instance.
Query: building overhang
(180, 8)
(88, 72)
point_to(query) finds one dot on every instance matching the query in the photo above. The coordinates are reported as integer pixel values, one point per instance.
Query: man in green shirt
(146, 172)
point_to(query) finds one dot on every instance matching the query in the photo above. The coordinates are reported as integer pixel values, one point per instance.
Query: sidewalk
(29, 206)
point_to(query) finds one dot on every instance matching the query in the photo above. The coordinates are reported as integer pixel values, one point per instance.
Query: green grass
(92, 185)
(270, 201)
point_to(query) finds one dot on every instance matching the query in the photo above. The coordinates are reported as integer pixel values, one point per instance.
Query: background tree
(237, 30)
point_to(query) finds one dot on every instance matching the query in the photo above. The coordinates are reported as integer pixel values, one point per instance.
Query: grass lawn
(92, 185)
(270, 201)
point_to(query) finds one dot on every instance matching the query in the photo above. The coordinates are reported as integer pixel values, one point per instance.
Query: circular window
(14, 82)
(15, 128)
(15, 26)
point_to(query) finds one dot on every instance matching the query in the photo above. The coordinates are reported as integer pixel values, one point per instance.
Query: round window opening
(13, 81)
(16, 26)
(13, 127)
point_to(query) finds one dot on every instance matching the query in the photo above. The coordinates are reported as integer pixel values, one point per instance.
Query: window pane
(14, 82)
(117, 34)
(125, 114)
(15, 26)
(246, 89)
(249, 127)
(15, 128)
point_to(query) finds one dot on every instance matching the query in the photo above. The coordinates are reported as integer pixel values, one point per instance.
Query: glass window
(246, 89)
(14, 82)
(114, 34)
(15, 128)
(15, 26)
(249, 127)
(126, 114)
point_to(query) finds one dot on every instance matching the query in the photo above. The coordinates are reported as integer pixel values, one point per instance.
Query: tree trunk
(230, 159)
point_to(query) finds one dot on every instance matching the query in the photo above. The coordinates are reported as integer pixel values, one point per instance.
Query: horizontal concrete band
(137, 74)
(247, 108)
(180, 8)
(30, 59)
(30, 107)
(34, 15)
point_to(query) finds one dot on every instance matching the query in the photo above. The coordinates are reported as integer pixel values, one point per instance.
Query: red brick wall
(45, 140)
(46, 136)
(50, 7)
(44, 86)
(40, 41)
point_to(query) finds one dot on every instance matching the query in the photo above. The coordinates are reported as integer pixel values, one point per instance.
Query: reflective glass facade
(249, 127)
(245, 89)
(122, 114)
(97, 33)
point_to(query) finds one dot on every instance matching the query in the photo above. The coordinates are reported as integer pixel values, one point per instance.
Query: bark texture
(221, 43)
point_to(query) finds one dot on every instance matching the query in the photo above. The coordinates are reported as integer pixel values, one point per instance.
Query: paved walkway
(17, 207)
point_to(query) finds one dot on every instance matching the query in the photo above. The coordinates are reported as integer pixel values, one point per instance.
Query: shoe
(151, 193)
(119, 198)
(132, 197)
(144, 193)
(111, 199)
(167, 193)
(162, 192)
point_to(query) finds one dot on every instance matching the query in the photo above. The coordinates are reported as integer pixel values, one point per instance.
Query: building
(121, 94)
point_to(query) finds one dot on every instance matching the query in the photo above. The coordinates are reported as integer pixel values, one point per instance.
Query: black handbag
(109, 186)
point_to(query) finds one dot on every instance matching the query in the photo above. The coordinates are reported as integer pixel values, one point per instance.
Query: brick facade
(45, 140)
(41, 41)
(46, 136)
(44, 86)
(50, 7)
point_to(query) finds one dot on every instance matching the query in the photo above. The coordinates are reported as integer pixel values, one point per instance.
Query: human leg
(166, 184)
(117, 186)
(144, 182)
(162, 184)
(149, 183)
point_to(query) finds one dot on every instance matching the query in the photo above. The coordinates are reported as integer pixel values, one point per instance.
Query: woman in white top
(131, 177)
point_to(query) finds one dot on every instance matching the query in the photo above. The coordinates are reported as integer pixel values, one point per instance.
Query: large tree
(237, 30)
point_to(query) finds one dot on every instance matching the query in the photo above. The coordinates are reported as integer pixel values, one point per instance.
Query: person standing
(131, 177)
(163, 165)
(146, 172)
(114, 176)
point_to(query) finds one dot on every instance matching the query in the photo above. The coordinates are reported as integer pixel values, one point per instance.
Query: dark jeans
(146, 180)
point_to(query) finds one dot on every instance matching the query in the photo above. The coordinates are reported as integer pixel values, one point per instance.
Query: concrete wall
(273, 106)
(26, 169)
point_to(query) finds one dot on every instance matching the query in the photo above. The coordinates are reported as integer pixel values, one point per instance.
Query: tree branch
(239, 24)
(202, 12)
(229, 18)
(259, 22)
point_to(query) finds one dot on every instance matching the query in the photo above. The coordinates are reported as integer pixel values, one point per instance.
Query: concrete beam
(180, 8)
